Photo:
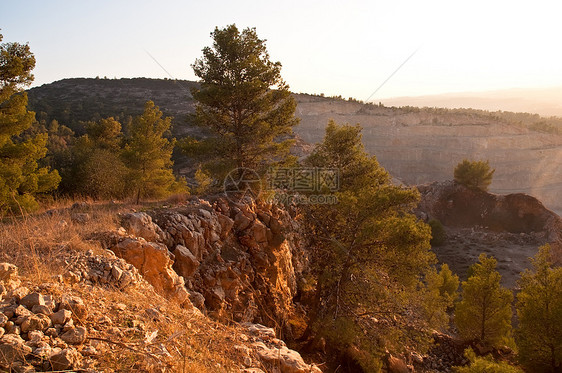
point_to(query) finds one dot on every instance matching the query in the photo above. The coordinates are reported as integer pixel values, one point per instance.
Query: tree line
(111, 160)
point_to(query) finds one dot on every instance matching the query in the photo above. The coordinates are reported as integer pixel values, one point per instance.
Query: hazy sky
(331, 47)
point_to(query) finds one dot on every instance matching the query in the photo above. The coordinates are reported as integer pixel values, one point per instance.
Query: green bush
(485, 364)
(474, 174)
(438, 234)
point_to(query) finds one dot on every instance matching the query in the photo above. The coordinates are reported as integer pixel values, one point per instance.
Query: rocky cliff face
(240, 262)
(509, 227)
(418, 146)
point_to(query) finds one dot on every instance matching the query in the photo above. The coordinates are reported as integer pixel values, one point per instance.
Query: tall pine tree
(243, 101)
(21, 177)
(484, 313)
(539, 310)
(148, 155)
(368, 255)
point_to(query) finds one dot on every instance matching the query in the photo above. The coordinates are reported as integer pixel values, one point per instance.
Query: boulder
(35, 322)
(185, 263)
(61, 316)
(283, 359)
(154, 263)
(140, 224)
(241, 221)
(45, 310)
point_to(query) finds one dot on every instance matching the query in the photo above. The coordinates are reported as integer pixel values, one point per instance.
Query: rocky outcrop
(243, 259)
(508, 227)
(272, 352)
(457, 206)
(154, 262)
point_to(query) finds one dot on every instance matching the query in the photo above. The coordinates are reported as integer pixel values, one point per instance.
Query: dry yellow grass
(38, 245)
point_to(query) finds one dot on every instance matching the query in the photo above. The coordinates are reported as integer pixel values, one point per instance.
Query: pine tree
(243, 101)
(539, 311)
(474, 174)
(484, 313)
(21, 177)
(368, 254)
(148, 155)
(97, 169)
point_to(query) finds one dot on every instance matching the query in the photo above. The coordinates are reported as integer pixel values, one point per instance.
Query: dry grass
(35, 243)
(185, 342)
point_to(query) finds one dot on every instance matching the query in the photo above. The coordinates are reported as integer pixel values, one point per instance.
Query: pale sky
(343, 48)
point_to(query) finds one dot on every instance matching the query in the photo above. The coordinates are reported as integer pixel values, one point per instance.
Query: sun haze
(325, 46)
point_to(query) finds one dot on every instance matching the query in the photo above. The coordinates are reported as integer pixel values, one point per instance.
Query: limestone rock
(61, 316)
(75, 305)
(12, 349)
(185, 263)
(66, 359)
(284, 359)
(197, 299)
(259, 330)
(154, 263)
(226, 225)
(140, 224)
(35, 322)
(32, 299)
(3, 319)
(45, 310)
(241, 221)
(75, 335)
(9, 275)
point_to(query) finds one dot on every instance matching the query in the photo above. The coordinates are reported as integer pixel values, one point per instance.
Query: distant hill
(417, 145)
(543, 101)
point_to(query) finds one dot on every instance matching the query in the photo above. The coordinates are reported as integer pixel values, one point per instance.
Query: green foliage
(447, 284)
(243, 101)
(485, 364)
(438, 234)
(440, 293)
(97, 169)
(539, 310)
(343, 150)
(148, 155)
(368, 251)
(21, 177)
(474, 174)
(484, 313)
(203, 180)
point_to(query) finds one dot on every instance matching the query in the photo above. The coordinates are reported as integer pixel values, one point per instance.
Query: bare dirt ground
(512, 251)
